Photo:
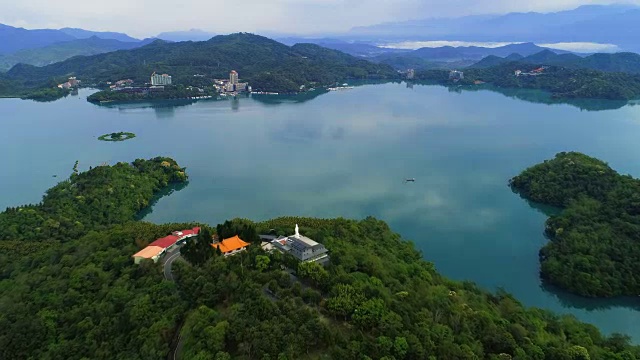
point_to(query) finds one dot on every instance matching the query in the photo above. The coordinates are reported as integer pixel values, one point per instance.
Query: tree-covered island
(594, 242)
(117, 136)
(70, 289)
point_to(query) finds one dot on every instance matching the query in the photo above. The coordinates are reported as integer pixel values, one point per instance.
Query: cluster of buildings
(72, 83)
(156, 249)
(232, 85)
(301, 247)
(456, 75)
(534, 72)
(121, 84)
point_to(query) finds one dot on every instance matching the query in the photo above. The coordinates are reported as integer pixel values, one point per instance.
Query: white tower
(297, 232)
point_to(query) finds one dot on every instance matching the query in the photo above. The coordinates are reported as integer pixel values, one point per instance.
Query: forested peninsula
(265, 64)
(594, 242)
(561, 82)
(70, 289)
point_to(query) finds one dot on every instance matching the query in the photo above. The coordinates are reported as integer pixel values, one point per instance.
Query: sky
(145, 18)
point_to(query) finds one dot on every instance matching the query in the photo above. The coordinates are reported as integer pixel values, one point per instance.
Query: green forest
(561, 82)
(91, 200)
(170, 92)
(78, 295)
(594, 242)
(266, 64)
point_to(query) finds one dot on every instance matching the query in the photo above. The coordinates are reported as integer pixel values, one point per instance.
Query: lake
(347, 154)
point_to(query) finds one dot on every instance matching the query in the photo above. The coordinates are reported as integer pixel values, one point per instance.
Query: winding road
(167, 262)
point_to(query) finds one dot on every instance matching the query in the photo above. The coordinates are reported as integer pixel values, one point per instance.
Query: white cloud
(584, 47)
(148, 17)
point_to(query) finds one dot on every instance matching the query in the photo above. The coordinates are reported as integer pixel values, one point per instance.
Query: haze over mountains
(614, 24)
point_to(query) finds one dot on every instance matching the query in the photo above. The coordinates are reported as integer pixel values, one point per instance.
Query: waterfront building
(411, 73)
(456, 75)
(233, 77)
(157, 79)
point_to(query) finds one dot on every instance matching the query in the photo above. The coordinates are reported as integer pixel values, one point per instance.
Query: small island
(119, 136)
(594, 248)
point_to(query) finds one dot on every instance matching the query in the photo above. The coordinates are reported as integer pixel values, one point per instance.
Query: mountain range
(449, 56)
(13, 39)
(623, 62)
(267, 64)
(64, 50)
(614, 24)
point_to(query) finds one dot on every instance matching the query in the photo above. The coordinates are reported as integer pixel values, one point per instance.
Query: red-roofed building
(165, 242)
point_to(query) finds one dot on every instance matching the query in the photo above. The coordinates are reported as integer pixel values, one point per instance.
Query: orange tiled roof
(149, 252)
(230, 244)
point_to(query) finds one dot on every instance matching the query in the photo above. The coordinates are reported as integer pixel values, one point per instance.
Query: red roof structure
(165, 242)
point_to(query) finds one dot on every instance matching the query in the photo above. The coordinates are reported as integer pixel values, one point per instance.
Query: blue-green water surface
(347, 154)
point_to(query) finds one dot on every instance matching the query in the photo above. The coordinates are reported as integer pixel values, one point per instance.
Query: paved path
(167, 262)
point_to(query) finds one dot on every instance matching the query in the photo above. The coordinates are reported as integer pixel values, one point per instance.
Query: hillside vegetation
(562, 82)
(595, 241)
(91, 200)
(265, 63)
(624, 62)
(61, 51)
(83, 297)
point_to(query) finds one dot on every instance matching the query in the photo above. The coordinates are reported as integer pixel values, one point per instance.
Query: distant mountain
(361, 49)
(618, 62)
(268, 65)
(85, 34)
(13, 39)
(614, 24)
(190, 35)
(61, 51)
(464, 55)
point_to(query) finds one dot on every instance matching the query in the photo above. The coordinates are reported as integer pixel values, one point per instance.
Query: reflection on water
(164, 192)
(347, 153)
(579, 302)
(544, 97)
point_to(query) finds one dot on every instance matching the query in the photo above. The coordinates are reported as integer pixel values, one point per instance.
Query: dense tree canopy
(91, 200)
(562, 82)
(82, 297)
(377, 299)
(595, 242)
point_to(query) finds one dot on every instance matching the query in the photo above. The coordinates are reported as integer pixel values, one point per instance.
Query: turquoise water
(347, 154)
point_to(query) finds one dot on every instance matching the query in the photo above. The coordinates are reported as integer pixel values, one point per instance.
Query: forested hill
(594, 242)
(91, 200)
(83, 297)
(625, 62)
(561, 82)
(265, 63)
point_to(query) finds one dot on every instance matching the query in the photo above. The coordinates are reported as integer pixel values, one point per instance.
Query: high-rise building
(163, 79)
(411, 73)
(233, 77)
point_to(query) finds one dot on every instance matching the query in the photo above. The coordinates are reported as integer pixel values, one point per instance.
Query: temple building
(231, 246)
(302, 248)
